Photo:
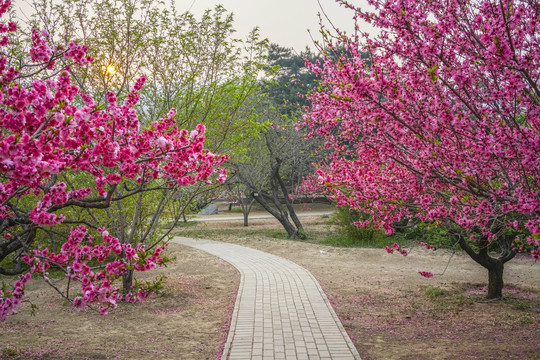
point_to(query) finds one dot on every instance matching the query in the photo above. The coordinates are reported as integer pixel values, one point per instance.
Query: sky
(285, 22)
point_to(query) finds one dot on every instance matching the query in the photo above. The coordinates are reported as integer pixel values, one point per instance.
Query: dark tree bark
(246, 209)
(272, 203)
(127, 282)
(495, 283)
(279, 213)
(17, 243)
(494, 265)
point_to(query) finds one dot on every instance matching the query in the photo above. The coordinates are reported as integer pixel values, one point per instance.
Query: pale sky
(285, 22)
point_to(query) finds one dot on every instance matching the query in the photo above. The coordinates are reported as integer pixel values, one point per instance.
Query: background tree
(443, 126)
(238, 194)
(263, 174)
(195, 65)
(53, 140)
(278, 160)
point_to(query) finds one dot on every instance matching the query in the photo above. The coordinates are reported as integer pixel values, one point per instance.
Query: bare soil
(188, 319)
(389, 311)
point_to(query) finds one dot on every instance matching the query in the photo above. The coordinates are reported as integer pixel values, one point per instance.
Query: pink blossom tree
(192, 64)
(48, 130)
(442, 123)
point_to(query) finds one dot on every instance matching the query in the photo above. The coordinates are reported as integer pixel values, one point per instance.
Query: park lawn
(389, 311)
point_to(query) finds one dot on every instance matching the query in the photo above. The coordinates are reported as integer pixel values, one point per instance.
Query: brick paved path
(281, 311)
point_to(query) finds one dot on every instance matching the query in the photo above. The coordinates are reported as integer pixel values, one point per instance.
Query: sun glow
(110, 70)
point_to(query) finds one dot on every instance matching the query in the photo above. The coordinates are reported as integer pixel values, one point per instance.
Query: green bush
(349, 235)
(426, 232)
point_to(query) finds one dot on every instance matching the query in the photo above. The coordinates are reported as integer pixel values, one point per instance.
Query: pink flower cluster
(9, 300)
(426, 274)
(40, 51)
(427, 246)
(396, 247)
(141, 294)
(310, 187)
(45, 132)
(96, 287)
(440, 121)
(77, 52)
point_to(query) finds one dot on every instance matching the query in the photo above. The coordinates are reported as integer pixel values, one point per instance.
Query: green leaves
(433, 73)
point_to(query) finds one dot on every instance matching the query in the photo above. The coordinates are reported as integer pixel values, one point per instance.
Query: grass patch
(378, 240)
(234, 210)
(434, 292)
(276, 234)
(326, 236)
(344, 233)
(343, 241)
(8, 352)
(180, 224)
(521, 306)
(525, 319)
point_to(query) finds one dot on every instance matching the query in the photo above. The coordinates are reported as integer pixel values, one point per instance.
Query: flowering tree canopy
(442, 123)
(49, 129)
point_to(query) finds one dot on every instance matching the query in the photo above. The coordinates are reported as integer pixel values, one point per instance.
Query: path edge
(232, 325)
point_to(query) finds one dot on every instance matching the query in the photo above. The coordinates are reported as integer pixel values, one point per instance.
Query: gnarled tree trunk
(494, 265)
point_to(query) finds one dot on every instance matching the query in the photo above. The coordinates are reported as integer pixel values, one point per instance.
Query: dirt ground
(389, 311)
(187, 320)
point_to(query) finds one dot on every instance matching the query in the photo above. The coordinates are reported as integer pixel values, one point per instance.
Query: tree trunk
(495, 284)
(291, 230)
(246, 208)
(300, 234)
(280, 214)
(495, 266)
(127, 281)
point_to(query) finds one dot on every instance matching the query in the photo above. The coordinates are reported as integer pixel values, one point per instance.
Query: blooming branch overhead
(439, 119)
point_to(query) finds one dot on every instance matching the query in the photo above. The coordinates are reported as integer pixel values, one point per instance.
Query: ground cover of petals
(389, 310)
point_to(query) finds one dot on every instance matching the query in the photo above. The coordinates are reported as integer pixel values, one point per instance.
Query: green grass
(342, 241)
(277, 234)
(378, 240)
(433, 292)
(324, 237)
(525, 319)
(522, 306)
(8, 352)
(240, 233)
(182, 224)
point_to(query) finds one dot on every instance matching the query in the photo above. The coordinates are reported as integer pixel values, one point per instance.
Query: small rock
(211, 209)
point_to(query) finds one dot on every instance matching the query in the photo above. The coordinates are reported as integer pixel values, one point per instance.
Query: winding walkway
(281, 311)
